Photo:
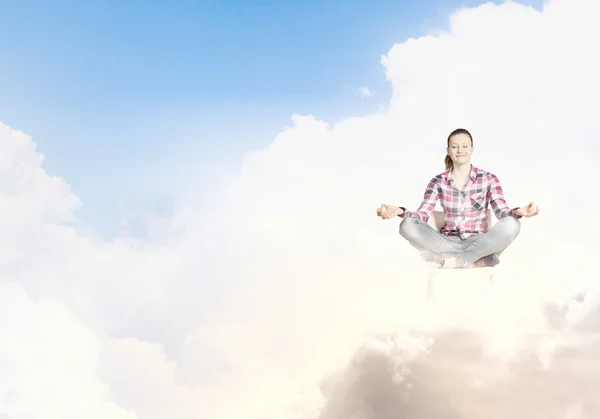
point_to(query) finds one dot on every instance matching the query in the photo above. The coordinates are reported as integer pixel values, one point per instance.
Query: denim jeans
(424, 237)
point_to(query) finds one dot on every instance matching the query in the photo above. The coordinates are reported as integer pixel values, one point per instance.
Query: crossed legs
(424, 238)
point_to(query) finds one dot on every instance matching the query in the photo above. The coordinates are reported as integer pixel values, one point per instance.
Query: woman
(464, 192)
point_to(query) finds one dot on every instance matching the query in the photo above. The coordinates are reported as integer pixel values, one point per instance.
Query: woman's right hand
(388, 211)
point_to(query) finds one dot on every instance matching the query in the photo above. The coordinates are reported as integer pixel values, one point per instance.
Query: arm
(496, 199)
(430, 198)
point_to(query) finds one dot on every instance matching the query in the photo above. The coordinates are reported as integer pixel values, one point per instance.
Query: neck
(461, 171)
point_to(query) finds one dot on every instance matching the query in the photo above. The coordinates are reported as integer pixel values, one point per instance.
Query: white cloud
(48, 362)
(259, 308)
(362, 91)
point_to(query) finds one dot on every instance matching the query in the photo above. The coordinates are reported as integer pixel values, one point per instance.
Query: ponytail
(448, 162)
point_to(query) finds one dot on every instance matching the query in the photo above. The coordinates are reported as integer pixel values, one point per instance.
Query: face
(460, 149)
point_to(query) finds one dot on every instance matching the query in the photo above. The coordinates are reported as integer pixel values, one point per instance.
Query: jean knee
(511, 226)
(408, 228)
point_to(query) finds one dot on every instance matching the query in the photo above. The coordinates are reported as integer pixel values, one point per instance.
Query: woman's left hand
(530, 210)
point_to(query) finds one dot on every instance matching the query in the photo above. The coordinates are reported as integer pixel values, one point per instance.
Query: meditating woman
(464, 192)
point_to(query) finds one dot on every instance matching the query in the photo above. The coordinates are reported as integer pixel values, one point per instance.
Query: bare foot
(453, 263)
(489, 260)
(432, 258)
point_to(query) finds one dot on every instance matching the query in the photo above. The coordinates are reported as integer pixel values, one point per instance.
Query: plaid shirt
(465, 212)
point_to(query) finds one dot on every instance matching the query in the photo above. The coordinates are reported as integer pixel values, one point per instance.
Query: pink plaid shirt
(465, 212)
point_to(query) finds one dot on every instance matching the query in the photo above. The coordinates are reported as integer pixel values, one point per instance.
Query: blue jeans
(424, 237)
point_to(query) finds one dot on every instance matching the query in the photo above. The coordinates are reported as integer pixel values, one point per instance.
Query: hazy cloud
(292, 299)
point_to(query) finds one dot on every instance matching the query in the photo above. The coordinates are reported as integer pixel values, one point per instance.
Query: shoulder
(438, 179)
(485, 175)
(439, 183)
(441, 177)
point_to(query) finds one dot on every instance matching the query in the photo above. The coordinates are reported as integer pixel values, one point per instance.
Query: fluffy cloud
(362, 91)
(292, 300)
(48, 362)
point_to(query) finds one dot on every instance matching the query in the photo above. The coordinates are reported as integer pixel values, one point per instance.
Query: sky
(186, 88)
(251, 278)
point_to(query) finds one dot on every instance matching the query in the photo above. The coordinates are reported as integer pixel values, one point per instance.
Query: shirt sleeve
(430, 198)
(497, 201)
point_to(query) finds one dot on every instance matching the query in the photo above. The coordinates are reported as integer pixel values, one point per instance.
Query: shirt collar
(472, 174)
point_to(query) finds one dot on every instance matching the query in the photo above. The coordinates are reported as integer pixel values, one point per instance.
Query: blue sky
(119, 95)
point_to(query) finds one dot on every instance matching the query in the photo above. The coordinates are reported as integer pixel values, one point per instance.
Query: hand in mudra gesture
(530, 210)
(388, 211)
